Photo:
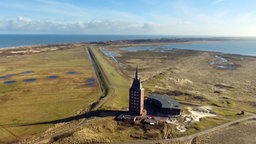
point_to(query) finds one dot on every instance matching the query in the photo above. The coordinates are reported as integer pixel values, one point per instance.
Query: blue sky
(164, 17)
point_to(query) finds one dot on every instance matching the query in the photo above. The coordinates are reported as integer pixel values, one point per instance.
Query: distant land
(17, 40)
(231, 45)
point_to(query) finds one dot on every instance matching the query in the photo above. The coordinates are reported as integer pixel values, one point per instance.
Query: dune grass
(44, 99)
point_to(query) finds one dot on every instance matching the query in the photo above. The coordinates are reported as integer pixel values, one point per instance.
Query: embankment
(104, 82)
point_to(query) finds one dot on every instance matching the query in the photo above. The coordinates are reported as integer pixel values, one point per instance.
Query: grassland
(44, 99)
(185, 75)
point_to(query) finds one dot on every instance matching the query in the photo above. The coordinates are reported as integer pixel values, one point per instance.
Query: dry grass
(102, 130)
(191, 73)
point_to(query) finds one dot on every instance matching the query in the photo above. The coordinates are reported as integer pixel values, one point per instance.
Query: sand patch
(194, 116)
(180, 81)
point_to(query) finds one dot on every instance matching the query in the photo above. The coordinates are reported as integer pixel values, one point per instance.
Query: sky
(131, 17)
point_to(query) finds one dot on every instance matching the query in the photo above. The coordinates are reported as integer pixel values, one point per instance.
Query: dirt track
(190, 139)
(242, 133)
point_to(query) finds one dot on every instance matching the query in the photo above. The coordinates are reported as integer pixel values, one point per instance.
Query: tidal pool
(29, 80)
(53, 77)
(10, 82)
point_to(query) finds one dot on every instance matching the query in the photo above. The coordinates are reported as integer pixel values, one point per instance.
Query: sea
(11, 40)
(241, 46)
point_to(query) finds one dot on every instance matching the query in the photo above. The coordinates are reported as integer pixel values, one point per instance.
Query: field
(42, 87)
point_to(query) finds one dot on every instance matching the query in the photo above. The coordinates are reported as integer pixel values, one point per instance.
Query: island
(129, 91)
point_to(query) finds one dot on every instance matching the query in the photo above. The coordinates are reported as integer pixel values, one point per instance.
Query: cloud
(27, 25)
(23, 24)
(203, 24)
(222, 14)
(248, 16)
(218, 1)
(19, 23)
(24, 19)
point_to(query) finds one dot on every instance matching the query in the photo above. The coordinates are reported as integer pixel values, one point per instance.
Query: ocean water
(8, 41)
(242, 47)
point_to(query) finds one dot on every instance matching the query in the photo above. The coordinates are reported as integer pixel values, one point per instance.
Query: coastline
(164, 42)
(39, 45)
(14, 51)
(13, 42)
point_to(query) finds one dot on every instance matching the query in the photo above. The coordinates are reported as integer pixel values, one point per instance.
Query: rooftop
(166, 101)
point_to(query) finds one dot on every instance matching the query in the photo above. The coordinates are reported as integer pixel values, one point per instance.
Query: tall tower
(136, 96)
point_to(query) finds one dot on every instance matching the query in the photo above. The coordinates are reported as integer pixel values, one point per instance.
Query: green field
(44, 99)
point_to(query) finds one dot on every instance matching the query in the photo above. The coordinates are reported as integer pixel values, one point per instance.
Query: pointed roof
(136, 85)
(136, 73)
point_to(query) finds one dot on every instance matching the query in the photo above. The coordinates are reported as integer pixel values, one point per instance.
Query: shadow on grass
(97, 113)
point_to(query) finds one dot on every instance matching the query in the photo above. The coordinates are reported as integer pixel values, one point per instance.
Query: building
(124, 117)
(136, 97)
(165, 105)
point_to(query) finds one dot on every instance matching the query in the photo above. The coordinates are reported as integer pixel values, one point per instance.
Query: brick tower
(136, 97)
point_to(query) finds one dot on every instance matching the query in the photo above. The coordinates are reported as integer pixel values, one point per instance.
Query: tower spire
(136, 73)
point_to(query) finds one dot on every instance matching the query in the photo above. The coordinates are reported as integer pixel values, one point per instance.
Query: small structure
(151, 121)
(124, 117)
(166, 106)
